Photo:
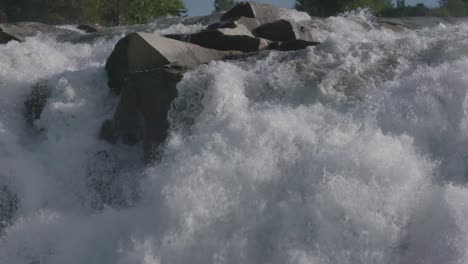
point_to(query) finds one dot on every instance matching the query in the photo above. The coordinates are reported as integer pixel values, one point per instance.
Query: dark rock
(247, 22)
(36, 101)
(88, 28)
(19, 31)
(142, 111)
(283, 30)
(143, 51)
(9, 204)
(264, 12)
(108, 132)
(292, 45)
(226, 39)
(5, 37)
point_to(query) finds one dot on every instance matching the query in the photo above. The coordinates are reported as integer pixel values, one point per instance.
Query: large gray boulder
(143, 51)
(21, 30)
(239, 38)
(263, 12)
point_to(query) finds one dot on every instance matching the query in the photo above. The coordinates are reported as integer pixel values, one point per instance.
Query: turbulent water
(353, 151)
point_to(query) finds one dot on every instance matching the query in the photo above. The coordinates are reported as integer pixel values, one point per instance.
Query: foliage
(141, 11)
(3, 16)
(108, 12)
(418, 10)
(334, 7)
(223, 5)
(383, 7)
(455, 7)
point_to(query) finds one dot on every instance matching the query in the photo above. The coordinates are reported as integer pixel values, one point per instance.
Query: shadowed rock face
(144, 70)
(283, 30)
(36, 101)
(142, 111)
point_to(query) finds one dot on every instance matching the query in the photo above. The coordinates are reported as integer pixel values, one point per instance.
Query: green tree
(3, 17)
(223, 5)
(334, 7)
(455, 7)
(142, 11)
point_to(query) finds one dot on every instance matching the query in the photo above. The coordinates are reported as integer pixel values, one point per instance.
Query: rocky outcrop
(144, 69)
(238, 39)
(20, 31)
(251, 27)
(143, 51)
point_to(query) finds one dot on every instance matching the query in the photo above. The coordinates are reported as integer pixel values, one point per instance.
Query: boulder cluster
(144, 69)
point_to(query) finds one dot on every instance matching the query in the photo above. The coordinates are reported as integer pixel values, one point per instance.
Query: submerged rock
(110, 183)
(143, 51)
(142, 111)
(36, 101)
(9, 204)
(292, 45)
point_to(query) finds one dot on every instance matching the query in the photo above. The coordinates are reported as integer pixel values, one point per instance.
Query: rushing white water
(353, 151)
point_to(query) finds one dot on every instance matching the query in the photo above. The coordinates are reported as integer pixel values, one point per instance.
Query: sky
(204, 7)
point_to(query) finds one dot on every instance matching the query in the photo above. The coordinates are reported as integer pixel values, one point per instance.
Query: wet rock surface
(142, 52)
(9, 204)
(21, 30)
(36, 101)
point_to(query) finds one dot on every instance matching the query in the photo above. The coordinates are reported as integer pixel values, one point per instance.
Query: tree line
(124, 12)
(105, 12)
(323, 8)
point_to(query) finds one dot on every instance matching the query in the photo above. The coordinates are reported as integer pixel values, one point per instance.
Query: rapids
(353, 151)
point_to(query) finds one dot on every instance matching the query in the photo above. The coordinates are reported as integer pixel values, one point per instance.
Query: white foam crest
(71, 27)
(181, 29)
